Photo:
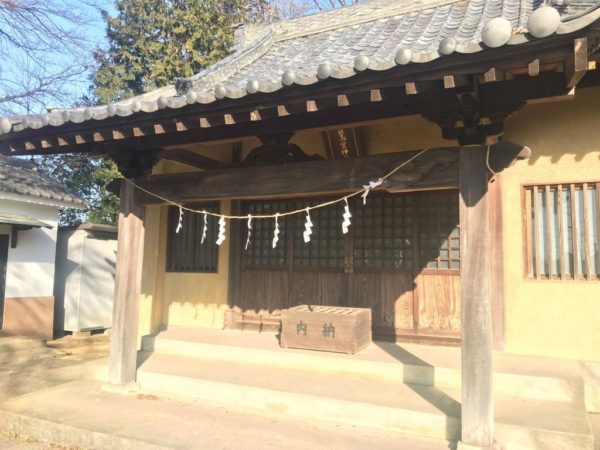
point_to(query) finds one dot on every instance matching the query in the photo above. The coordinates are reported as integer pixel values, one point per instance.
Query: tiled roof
(19, 176)
(374, 35)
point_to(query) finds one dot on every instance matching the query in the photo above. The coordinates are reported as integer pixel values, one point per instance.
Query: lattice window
(185, 253)
(327, 247)
(260, 252)
(383, 232)
(562, 229)
(438, 230)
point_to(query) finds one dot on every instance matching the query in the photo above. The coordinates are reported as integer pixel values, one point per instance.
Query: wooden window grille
(438, 230)
(383, 236)
(383, 232)
(562, 231)
(260, 251)
(326, 248)
(185, 252)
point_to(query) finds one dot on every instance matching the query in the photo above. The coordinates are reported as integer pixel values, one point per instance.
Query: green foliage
(151, 42)
(87, 178)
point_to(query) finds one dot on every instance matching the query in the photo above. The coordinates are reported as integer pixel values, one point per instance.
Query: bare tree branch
(45, 51)
(288, 9)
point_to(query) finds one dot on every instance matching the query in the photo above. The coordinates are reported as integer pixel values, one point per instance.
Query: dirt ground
(81, 348)
(28, 365)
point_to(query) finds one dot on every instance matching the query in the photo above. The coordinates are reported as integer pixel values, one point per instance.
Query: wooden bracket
(578, 63)
(473, 132)
(134, 164)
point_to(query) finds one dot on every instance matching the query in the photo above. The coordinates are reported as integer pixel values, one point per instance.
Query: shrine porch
(404, 388)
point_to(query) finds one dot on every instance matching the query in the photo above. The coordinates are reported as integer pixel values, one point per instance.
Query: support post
(122, 363)
(476, 308)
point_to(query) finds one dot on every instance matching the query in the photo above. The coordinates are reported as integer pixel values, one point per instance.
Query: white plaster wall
(30, 271)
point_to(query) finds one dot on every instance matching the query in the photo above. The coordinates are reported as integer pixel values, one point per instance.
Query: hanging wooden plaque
(343, 143)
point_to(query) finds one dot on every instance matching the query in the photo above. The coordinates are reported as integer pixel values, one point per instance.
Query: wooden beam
(122, 362)
(577, 64)
(434, 169)
(438, 168)
(554, 99)
(189, 158)
(476, 311)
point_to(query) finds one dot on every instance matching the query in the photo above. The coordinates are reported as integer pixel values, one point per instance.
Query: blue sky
(18, 71)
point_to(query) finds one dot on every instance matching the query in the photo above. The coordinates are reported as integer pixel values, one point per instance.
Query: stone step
(348, 399)
(383, 361)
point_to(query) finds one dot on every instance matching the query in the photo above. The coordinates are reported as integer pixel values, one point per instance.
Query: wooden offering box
(328, 328)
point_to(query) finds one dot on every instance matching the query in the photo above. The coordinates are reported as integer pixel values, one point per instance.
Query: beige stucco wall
(168, 298)
(550, 318)
(199, 299)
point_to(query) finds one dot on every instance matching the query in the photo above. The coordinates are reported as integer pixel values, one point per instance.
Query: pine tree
(151, 42)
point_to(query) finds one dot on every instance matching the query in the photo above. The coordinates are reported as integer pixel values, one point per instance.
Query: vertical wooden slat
(561, 231)
(574, 236)
(128, 285)
(537, 239)
(586, 231)
(549, 223)
(528, 234)
(477, 412)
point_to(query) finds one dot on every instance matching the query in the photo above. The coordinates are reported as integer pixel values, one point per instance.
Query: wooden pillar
(476, 308)
(497, 263)
(122, 363)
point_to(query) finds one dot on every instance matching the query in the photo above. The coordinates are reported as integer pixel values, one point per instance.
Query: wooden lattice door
(400, 259)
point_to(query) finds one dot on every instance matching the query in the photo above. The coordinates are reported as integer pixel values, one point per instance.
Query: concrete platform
(81, 414)
(391, 387)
